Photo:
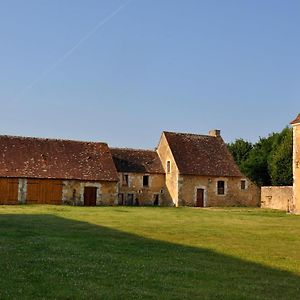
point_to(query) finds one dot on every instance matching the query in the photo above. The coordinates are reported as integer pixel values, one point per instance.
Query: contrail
(71, 50)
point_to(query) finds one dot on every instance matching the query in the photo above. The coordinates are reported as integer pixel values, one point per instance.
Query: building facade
(184, 170)
(296, 165)
(141, 177)
(201, 172)
(48, 171)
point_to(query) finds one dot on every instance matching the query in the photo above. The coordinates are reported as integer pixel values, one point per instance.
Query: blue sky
(177, 65)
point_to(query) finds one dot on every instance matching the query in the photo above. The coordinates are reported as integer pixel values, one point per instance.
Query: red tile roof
(297, 120)
(50, 158)
(201, 155)
(137, 161)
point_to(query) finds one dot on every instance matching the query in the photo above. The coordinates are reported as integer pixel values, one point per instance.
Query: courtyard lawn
(59, 252)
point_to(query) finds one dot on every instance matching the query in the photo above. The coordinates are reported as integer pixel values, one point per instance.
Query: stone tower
(296, 164)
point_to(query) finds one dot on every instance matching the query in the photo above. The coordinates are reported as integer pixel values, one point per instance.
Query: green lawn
(58, 252)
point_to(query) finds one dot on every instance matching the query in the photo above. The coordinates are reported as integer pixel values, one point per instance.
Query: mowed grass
(58, 252)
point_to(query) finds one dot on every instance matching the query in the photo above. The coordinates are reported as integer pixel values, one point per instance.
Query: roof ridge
(49, 139)
(188, 133)
(132, 149)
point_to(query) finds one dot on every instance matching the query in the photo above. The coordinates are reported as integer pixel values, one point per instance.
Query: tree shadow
(47, 257)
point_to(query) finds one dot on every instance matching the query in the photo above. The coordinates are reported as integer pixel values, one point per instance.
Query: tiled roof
(136, 161)
(201, 155)
(50, 158)
(297, 120)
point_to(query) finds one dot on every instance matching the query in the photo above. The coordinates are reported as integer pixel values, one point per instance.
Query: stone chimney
(215, 132)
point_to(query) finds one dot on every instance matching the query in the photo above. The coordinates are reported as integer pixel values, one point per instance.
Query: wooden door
(200, 198)
(9, 191)
(44, 191)
(90, 196)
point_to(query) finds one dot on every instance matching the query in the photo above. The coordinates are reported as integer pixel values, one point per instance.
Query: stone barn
(201, 172)
(141, 177)
(49, 171)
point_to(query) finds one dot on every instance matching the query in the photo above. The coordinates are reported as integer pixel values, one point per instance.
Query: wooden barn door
(44, 191)
(90, 196)
(200, 198)
(9, 190)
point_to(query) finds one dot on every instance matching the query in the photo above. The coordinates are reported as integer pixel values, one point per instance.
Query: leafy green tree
(256, 165)
(269, 161)
(240, 150)
(281, 159)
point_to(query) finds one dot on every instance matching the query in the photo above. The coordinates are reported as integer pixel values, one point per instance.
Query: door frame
(205, 196)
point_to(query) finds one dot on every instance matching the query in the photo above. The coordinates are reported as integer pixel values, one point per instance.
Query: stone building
(185, 169)
(141, 177)
(201, 172)
(296, 165)
(48, 171)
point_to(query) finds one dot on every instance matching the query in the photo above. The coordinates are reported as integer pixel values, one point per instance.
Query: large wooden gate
(9, 190)
(44, 191)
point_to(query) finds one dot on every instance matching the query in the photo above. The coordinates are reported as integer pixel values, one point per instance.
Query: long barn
(50, 171)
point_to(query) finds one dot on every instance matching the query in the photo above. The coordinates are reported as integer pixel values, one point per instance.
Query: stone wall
(233, 196)
(144, 195)
(172, 177)
(277, 197)
(73, 192)
(22, 190)
(296, 169)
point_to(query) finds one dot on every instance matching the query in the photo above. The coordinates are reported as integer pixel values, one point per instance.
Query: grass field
(53, 252)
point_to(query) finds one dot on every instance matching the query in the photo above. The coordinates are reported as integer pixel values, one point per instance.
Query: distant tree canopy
(267, 162)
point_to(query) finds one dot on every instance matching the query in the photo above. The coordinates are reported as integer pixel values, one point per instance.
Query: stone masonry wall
(171, 182)
(145, 195)
(234, 195)
(73, 192)
(296, 169)
(277, 197)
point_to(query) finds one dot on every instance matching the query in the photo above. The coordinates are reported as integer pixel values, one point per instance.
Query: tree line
(267, 162)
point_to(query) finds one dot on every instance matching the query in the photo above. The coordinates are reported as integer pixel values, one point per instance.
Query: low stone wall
(277, 197)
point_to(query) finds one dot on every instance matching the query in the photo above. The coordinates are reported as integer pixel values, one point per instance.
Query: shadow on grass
(44, 256)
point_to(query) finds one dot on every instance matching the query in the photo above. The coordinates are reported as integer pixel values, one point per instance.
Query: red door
(200, 198)
(90, 196)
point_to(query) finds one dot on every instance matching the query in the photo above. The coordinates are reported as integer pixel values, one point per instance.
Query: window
(146, 180)
(168, 166)
(221, 187)
(125, 180)
(243, 184)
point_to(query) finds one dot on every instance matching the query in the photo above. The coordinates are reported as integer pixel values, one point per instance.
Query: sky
(123, 71)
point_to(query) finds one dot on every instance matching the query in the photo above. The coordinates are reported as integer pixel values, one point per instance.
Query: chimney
(215, 133)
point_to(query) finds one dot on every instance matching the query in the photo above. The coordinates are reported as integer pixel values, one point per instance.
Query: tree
(267, 162)
(240, 150)
(281, 159)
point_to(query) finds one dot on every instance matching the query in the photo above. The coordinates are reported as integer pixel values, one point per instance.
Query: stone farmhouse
(185, 169)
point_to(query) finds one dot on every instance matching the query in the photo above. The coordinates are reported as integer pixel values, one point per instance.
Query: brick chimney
(215, 132)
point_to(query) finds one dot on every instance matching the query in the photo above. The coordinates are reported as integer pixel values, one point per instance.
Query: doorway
(200, 198)
(90, 196)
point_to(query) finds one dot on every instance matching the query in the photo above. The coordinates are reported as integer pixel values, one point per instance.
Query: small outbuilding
(52, 171)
